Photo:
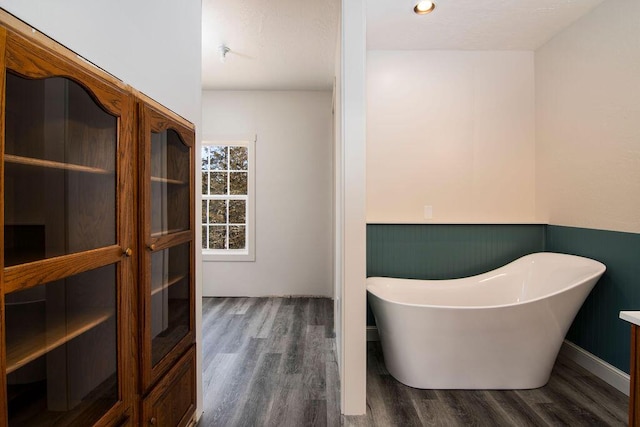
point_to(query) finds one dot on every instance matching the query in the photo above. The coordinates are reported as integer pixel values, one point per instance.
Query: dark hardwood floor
(271, 362)
(573, 397)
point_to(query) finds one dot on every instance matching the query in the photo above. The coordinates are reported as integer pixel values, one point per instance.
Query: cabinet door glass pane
(169, 183)
(61, 343)
(170, 299)
(60, 170)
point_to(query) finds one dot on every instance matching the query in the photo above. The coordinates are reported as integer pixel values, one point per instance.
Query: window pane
(218, 183)
(217, 237)
(218, 157)
(237, 211)
(217, 211)
(204, 237)
(205, 158)
(204, 211)
(238, 158)
(237, 237)
(205, 183)
(238, 182)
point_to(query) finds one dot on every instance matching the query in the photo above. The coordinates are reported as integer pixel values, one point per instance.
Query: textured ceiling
(470, 24)
(275, 44)
(290, 44)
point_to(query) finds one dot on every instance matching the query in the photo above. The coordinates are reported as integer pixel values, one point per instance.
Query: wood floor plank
(315, 414)
(217, 371)
(271, 310)
(314, 363)
(242, 305)
(225, 405)
(278, 336)
(257, 399)
(332, 381)
(586, 397)
(232, 338)
(515, 409)
(433, 412)
(470, 409)
(376, 398)
(294, 352)
(288, 406)
(567, 407)
(399, 406)
(357, 421)
(598, 391)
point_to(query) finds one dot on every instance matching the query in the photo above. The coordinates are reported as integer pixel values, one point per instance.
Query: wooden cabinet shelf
(166, 232)
(30, 347)
(171, 281)
(159, 179)
(164, 342)
(28, 161)
(85, 413)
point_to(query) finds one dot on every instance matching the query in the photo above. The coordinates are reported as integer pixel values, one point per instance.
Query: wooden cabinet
(167, 231)
(96, 284)
(634, 381)
(633, 317)
(67, 281)
(173, 400)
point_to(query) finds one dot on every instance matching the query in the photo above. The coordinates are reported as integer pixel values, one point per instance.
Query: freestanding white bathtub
(498, 330)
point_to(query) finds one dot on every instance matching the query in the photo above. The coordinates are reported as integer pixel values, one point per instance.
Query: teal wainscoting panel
(446, 251)
(439, 251)
(597, 328)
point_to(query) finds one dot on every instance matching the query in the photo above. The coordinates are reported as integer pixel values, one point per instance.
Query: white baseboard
(598, 367)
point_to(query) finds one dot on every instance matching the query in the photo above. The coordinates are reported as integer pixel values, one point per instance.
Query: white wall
(588, 121)
(152, 45)
(450, 129)
(293, 191)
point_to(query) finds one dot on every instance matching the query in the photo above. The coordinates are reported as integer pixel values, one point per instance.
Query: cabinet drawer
(172, 401)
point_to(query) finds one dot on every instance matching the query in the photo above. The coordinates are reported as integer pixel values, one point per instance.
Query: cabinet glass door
(62, 351)
(167, 192)
(169, 299)
(60, 170)
(67, 236)
(169, 183)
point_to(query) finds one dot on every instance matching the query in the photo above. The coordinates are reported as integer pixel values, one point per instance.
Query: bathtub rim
(602, 268)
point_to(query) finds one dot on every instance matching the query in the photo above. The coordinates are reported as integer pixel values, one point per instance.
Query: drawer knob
(153, 421)
(127, 252)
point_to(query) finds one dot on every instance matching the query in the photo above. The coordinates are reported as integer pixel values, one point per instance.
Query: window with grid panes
(227, 200)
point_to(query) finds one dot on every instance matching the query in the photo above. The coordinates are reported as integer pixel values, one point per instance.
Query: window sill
(228, 256)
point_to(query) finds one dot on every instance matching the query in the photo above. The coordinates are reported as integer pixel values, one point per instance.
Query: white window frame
(249, 253)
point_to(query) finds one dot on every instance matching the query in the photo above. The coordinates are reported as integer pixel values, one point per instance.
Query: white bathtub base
(498, 330)
(467, 359)
(596, 366)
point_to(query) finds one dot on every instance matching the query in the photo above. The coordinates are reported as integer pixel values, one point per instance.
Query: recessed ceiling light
(423, 7)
